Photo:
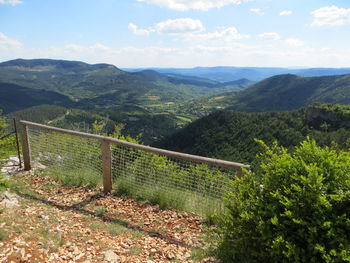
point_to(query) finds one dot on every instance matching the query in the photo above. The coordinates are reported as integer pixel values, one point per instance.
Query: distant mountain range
(145, 101)
(105, 85)
(225, 74)
(151, 103)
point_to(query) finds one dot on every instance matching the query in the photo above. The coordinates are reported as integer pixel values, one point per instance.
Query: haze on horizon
(179, 33)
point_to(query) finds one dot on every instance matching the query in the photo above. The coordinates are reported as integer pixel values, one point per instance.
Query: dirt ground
(61, 224)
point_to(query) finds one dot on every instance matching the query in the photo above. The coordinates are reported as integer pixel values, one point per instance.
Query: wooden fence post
(26, 147)
(106, 165)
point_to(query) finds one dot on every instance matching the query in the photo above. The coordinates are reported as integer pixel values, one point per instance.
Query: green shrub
(293, 208)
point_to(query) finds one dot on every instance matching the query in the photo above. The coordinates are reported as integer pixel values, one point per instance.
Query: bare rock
(8, 200)
(110, 256)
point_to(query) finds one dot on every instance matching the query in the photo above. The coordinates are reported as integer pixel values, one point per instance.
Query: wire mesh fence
(159, 176)
(9, 145)
(73, 160)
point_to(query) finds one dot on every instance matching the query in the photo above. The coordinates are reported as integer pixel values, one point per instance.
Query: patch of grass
(100, 211)
(170, 198)
(18, 184)
(18, 229)
(198, 254)
(3, 234)
(4, 184)
(97, 226)
(165, 198)
(137, 234)
(7, 220)
(121, 222)
(88, 218)
(116, 230)
(50, 186)
(135, 250)
(82, 177)
(76, 234)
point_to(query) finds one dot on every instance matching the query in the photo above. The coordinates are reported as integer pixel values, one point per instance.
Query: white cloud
(189, 29)
(294, 42)
(257, 11)
(269, 36)
(226, 34)
(10, 2)
(7, 42)
(331, 16)
(286, 13)
(171, 27)
(184, 5)
(140, 32)
(179, 26)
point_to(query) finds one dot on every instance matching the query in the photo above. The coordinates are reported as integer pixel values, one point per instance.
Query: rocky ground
(52, 223)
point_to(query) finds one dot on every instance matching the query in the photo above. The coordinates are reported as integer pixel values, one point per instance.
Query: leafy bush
(293, 208)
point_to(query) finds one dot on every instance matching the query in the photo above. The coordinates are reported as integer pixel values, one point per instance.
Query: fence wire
(159, 179)
(73, 160)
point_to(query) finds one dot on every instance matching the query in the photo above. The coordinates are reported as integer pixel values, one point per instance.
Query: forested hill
(14, 97)
(230, 135)
(288, 92)
(80, 80)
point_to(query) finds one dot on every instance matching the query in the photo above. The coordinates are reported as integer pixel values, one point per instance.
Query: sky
(179, 33)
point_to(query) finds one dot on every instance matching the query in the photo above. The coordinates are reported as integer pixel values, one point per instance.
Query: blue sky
(179, 33)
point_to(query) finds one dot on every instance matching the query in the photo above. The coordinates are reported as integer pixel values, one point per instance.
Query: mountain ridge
(227, 73)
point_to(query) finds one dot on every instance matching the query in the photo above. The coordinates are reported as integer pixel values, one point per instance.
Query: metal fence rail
(182, 180)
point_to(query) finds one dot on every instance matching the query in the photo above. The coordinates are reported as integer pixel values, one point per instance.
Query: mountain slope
(287, 92)
(230, 135)
(14, 97)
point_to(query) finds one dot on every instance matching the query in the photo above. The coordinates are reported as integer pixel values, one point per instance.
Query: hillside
(282, 92)
(230, 135)
(287, 92)
(14, 97)
(137, 122)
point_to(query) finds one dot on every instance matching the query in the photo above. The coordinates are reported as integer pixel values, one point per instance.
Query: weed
(49, 186)
(198, 254)
(116, 230)
(88, 218)
(18, 229)
(97, 225)
(135, 250)
(137, 234)
(3, 234)
(121, 222)
(100, 211)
